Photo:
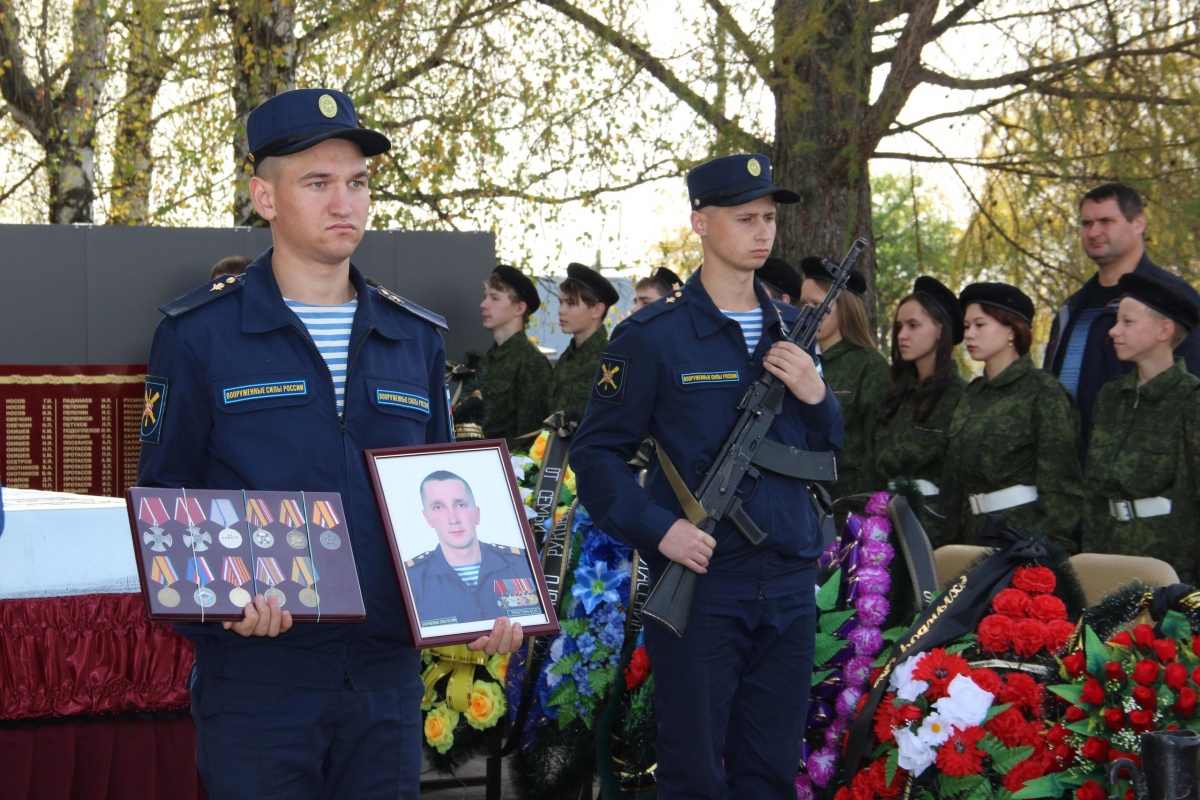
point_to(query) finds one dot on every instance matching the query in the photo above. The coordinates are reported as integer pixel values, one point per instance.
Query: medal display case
(203, 554)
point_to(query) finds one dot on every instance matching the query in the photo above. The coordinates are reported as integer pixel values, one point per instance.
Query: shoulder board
(667, 302)
(218, 287)
(436, 320)
(412, 562)
(504, 548)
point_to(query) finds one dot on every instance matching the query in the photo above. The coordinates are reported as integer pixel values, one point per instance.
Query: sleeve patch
(610, 379)
(153, 410)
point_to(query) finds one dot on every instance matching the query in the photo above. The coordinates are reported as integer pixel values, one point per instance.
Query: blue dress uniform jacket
(677, 369)
(506, 587)
(243, 334)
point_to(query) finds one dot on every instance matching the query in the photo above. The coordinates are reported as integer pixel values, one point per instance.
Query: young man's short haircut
(580, 293)
(494, 282)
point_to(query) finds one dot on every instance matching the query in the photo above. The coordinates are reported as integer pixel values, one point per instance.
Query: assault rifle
(746, 451)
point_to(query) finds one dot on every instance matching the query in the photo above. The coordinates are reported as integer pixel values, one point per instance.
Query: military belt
(1129, 510)
(923, 486)
(1001, 499)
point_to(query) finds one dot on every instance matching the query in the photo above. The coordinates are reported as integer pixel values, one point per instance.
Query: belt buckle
(976, 504)
(1122, 510)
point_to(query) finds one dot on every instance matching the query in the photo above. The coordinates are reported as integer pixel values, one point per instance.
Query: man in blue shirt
(730, 722)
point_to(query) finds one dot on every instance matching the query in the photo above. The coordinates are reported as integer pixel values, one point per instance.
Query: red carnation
(1122, 638)
(1058, 633)
(1012, 603)
(1096, 749)
(994, 633)
(1075, 662)
(1092, 692)
(1145, 672)
(1056, 735)
(1022, 691)
(1144, 636)
(1196, 645)
(1029, 636)
(1114, 718)
(1141, 721)
(1047, 607)
(959, 756)
(1164, 649)
(987, 680)
(638, 669)
(1186, 704)
(1010, 727)
(1176, 675)
(1021, 772)
(939, 668)
(1113, 671)
(1145, 697)
(1196, 676)
(888, 717)
(1075, 714)
(842, 794)
(1034, 579)
(1089, 791)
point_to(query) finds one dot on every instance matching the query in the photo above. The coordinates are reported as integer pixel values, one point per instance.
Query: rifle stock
(670, 601)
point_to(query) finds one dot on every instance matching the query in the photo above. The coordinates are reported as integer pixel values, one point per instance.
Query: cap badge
(327, 105)
(753, 167)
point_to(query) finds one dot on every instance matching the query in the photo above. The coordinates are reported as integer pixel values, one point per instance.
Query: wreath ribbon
(459, 663)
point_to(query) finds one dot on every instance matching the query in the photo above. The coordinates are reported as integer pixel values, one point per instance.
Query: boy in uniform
(583, 302)
(515, 373)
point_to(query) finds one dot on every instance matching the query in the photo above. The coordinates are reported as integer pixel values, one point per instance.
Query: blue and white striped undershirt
(329, 327)
(469, 574)
(752, 323)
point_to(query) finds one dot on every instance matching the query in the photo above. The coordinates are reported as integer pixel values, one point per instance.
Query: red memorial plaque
(203, 554)
(71, 428)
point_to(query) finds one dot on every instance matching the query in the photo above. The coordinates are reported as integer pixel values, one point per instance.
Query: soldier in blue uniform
(464, 579)
(730, 722)
(317, 710)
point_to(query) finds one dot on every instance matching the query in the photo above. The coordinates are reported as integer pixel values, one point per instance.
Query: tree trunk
(145, 71)
(264, 64)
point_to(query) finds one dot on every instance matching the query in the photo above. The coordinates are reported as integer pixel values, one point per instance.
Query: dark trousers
(261, 740)
(731, 695)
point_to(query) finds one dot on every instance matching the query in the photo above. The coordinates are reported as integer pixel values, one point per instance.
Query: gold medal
(168, 597)
(297, 540)
(239, 597)
(309, 597)
(273, 592)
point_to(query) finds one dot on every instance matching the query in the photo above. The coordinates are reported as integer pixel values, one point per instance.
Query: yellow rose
(539, 446)
(439, 727)
(487, 704)
(497, 666)
(569, 481)
(559, 511)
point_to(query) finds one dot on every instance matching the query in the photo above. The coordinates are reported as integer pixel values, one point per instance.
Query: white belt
(923, 486)
(999, 500)
(1128, 510)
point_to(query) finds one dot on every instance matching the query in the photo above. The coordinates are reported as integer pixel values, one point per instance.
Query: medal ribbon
(234, 571)
(153, 511)
(302, 567)
(258, 514)
(198, 571)
(268, 571)
(323, 514)
(163, 571)
(187, 511)
(291, 514)
(223, 512)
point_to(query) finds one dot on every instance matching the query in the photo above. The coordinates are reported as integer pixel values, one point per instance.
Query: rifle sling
(691, 507)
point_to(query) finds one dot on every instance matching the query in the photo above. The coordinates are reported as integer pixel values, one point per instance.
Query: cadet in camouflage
(1142, 460)
(1013, 436)
(515, 373)
(583, 302)
(855, 371)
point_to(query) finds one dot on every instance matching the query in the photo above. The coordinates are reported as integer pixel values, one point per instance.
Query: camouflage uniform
(515, 378)
(575, 373)
(909, 449)
(1143, 445)
(859, 379)
(1020, 428)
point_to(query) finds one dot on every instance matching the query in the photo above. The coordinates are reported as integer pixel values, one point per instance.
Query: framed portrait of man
(460, 540)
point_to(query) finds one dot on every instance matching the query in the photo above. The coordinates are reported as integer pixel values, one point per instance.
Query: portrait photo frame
(460, 540)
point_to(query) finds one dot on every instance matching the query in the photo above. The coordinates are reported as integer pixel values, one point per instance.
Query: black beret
(780, 276)
(1000, 295)
(734, 180)
(520, 283)
(1161, 296)
(944, 299)
(594, 281)
(667, 278)
(814, 267)
(297, 120)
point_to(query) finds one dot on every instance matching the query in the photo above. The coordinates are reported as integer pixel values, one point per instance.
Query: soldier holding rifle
(729, 722)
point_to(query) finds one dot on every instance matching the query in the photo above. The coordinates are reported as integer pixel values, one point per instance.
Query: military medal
(153, 511)
(205, 597)
(223, 513)
(187, 511)
(323, 516)
(199, 573)
(514, 592)
(267, 571)
(163, 571)
(234, 571)
(304, 572)
(258, 514)
(291, 514)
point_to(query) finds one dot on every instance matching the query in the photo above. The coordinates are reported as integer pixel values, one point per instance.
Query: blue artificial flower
(595, 584)
(586, 643)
